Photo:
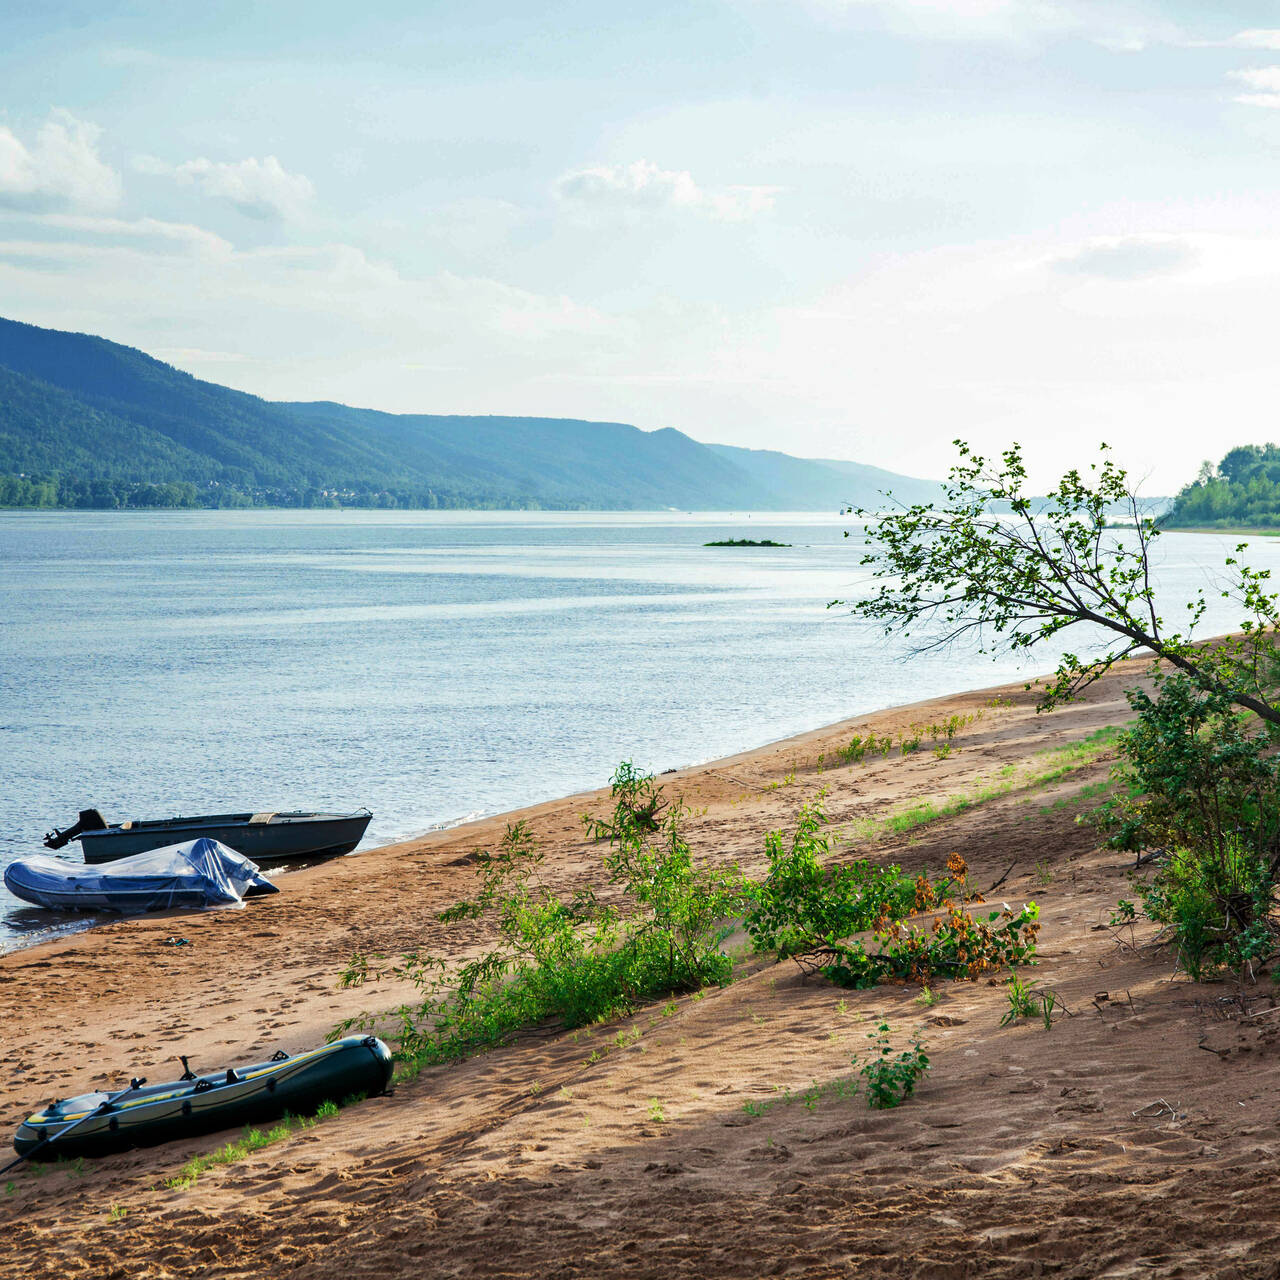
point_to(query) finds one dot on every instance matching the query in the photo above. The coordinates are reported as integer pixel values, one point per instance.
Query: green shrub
(1217, 904)
(1195, 774)
(573, 958)
(804, 903)
(807, 910)
(1201, 784)
(891, 1078)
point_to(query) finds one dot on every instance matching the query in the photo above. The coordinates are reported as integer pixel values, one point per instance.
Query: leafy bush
(1196, 774)
(957, 946)
(576, 959)
(1217, 904)
(808, 911)
(891, 1078)
(802, 903)
(1201, 783)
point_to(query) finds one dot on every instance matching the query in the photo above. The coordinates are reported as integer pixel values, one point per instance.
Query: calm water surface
(431, 665)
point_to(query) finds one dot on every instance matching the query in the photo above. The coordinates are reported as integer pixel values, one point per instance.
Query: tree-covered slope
(1244, 490)
(556, 461)
(806, 484)
(87, 422)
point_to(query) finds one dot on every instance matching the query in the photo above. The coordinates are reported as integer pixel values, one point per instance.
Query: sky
(851, 229)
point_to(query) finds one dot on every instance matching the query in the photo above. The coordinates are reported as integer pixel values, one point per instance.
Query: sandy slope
(1025, 1153)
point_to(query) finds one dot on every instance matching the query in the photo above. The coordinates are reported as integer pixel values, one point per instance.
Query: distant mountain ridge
(88, 422)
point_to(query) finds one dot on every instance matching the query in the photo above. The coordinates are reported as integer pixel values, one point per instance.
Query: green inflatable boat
(94, 1124)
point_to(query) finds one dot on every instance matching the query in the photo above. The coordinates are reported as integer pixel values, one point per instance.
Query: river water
(431, 665)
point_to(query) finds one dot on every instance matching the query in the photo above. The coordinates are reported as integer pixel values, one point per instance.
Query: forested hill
(90, 423)
(1244, 491)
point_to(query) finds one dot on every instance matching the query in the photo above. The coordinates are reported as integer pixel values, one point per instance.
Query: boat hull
(265, 1091)
(284, 837)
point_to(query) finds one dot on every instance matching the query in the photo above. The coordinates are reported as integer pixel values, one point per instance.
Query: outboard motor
(90, 820)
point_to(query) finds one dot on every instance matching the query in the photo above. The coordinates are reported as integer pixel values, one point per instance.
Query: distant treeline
(59, 492)
(1244, 490)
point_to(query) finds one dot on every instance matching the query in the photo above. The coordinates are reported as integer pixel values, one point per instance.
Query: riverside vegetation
(661, 927)
(1198, 778)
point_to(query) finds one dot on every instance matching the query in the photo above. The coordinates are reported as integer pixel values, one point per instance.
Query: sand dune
(1138, 1137)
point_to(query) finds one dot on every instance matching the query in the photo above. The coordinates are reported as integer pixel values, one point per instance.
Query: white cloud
(60, 169)
(1120, 26)
(262, 189)
(155, 234)
(1128, 258)
(1254, 38)
(1265, 83)
(643, 186)
(958, 19)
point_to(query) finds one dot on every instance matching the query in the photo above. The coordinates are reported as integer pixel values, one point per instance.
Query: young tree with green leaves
(993, 565)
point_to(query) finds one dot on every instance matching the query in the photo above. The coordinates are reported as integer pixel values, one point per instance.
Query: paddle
(107, 1104)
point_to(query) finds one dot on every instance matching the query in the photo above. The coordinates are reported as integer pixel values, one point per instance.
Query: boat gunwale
(292, 817)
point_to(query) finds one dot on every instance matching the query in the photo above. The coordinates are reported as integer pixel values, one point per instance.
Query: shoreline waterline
(488, 823)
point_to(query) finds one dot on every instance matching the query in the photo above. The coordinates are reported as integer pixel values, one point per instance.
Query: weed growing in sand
(250, 1140)
(10, 1188)
(116, 1213)
(1028, 1001)
(860, 748)
(1044, 874)
(669, 1009)
(535, 1088)
(1061, 761)
(573, 958)
(656, 1112)
(927, 998)
(942, 750)
(891, 1078)
(802, 902)
(841, 1087)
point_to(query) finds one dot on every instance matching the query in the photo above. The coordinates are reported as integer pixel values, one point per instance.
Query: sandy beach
(1138, 1137)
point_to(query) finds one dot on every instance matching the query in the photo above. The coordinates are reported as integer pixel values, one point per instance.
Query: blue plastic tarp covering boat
(199, 874)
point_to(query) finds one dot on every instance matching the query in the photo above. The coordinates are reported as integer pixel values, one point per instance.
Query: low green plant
(860, 747)
(1216, 905)
(1028, 1001)
(656, 1112)
(804, 900)
(927, 998)
(808, 909)
(572, 958)
(943, 750)
(116, 1213)
(889, 1078)
(250, 1140)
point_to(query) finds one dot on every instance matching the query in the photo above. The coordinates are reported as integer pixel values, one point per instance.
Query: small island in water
(746, 542)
